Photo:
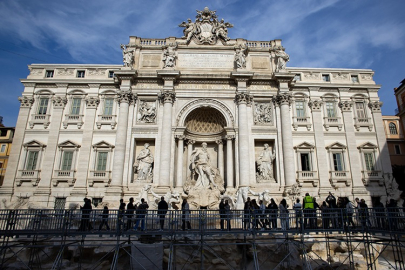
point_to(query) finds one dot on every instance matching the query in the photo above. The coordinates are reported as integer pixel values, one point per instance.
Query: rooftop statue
(206, 29)
(127, 55)
(282, 59)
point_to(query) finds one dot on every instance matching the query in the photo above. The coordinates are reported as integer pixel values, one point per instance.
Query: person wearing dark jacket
(86, 210)
(130, 212)
(104, 219)
(140, 214)
(272, 208)
(162, 210)
(222, 213)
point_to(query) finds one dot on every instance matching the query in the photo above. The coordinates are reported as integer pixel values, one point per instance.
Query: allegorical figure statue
(143, 164)
(127, 55)
(189, 30)
(265, 163)
(282, 59)
(169, 56)
(147, 113)
(200, 162)
(240, 57)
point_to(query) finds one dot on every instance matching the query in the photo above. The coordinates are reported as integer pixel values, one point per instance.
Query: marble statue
(221, 30)
(282, 59)
(265, 164)
(240, 57)
(169, 56)
(171, 197)
(127, 55)
(189, 30)
(143, 194)
(200, 162)
(143, 164)
(262, 113)
(147, 113)
(264, 196)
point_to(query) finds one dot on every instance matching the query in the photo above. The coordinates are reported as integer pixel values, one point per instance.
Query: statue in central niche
(205, 185)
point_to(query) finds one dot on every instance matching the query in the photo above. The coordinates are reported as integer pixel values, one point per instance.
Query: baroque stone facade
(202, 117)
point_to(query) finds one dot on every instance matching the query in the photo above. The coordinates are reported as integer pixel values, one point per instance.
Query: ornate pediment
(305, 145)
(103, 144)
(336, 145)
(68, 144)
(367, 145)
(206, 29)
(34, 143)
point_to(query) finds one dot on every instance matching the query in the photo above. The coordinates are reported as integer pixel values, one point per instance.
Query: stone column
(384, 156)
(284, 100)
(7, 188)
(229, 162)
(44, 187)
(167, 98)
(242, 99)
(189, 152)
(220, 157)
(180, 148)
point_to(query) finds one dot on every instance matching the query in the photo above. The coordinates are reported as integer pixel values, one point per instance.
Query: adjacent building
(6, 139)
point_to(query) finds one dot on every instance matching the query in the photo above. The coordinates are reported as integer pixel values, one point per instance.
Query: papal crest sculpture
(206, 29)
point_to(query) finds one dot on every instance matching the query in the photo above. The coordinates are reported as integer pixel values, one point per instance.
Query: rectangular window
(360, 112)
(355, 78)
(108, 106)
(60, 203)
(32, 160)
(3, 148)
(397, 149)
(330, 109)
(80, 74)
(297, 77)
(111, 74)
(337, 162)
(369, 160)
(299, 107)
(305, 162)
(67, 161)
(102, 161)
(43, 105)
(325, 77)
(49, 74)
(75, 110)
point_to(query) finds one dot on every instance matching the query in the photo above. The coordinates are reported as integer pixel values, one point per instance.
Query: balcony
(372, 176)
(307, 177)
(332, 122)
(60, 176)
(363, 122)
(40, 119)
(336, 177)
(103, 177)
(301, 121)
(29, 176)
(106, 120)
(73, 119)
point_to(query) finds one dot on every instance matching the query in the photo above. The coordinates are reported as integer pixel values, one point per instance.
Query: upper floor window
(300, 108)
(3, 148)
(338, 164)
(369, 161)
(49, 74)
(80, 74)
(101, 161)
(393, 128)
(43, 105)
(397, 149)
(108, 106)
(305, 162)
(330, 108)
(360, 110)
(111, 74)
(75, 109)
(297, 77)
(67, 160)
(325, 77)
(32, 159)
(355, 78)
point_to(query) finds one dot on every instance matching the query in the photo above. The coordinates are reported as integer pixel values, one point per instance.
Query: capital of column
(92, 102)
(190, 141)
(219, 141)
(283, 99)
(346, 106)
(59, 102)
(126, 96)
(180, 137)
(375, 106)
(315, 104)
(243, 98)
(167, 97)
(26, 101)
(230, 137)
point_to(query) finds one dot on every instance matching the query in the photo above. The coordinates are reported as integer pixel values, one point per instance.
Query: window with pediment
(331, 114)
(337, 164)
(107, 115)
(101, 160)
(361, 116)
(30, 164)
(371, 168)
(66, 163)
(75, 107)
(306, 173)
(42, 107)
(300, 112)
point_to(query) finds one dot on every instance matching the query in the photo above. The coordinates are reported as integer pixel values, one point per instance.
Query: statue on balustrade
(265, 164)
(127, 55)
(143, 164)
(282, 59)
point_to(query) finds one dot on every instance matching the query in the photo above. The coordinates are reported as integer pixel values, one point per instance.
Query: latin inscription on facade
(151, 60)
(205, 60)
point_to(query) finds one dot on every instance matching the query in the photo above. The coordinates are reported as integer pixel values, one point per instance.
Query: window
(97, 201)
(397, 149)
(369, 161)
(32, 160)
(60, 203)
(299, 107)
(43, 105)
(3, 148)
(111, 74)
(108, 106)
(80, 74)
(360, 110)
(101, 161)
(305, 162)
(297, 77)
(49, 74)
(330, 109)
(393, 128)
(67, 161)
(337, 162)
(76, 102)
(325, 77)
(355, 78)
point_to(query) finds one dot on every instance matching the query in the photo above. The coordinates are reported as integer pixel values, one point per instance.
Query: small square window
(80, 74)
(297, 77)
(111, 74)
(397, 149)
(355, 78)
(325, 77)
(60, 203)
(49, 74)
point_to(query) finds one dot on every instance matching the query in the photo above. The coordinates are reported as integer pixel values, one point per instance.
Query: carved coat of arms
(206, 29)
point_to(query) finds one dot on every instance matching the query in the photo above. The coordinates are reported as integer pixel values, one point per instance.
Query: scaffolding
(29, 238)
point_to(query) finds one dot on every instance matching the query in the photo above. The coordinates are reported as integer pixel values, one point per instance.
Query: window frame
(49, 73)
(326, 77)
(42, 109)
(3, 148)
(80, 73)
(354, 78)
(397, 149)
(393, 128)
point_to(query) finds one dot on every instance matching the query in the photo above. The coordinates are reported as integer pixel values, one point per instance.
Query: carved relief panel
(263, 113)
(146, 112)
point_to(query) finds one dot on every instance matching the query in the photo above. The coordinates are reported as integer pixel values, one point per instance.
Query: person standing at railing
(228, 215)
(185, 208)
(263, 218)
(284, 215)
(162, 210)
(333, 211)
(393, 215)
(141, 212)
(130, 213)
(349, 210)
(325, 214)
(104, 219)
(364, 215)
(309, 211)
(256, 215)
(222, 214)
(86, 210)
(246, 214)
(379, 212)
(121, 212)
(298, 213)
(273, 209)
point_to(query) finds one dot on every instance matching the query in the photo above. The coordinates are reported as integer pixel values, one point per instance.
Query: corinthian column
(180, 149)
(220, 157)
(229, 161)
(167, 98)
(242, 99)
(284, 101)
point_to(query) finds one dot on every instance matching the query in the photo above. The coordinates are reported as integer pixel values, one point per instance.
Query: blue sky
(324, 33)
